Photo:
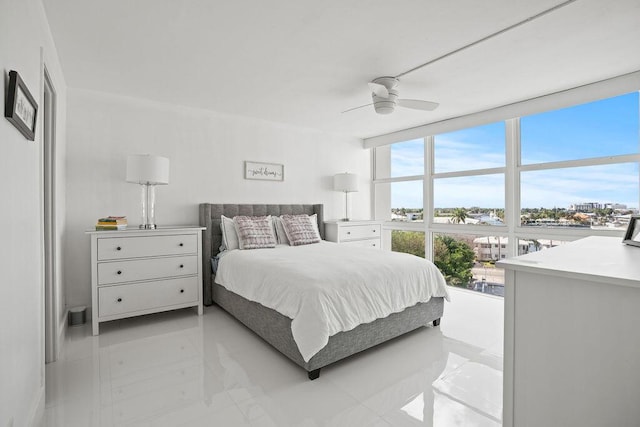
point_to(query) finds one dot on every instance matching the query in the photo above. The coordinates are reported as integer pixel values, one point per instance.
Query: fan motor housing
(385, 105)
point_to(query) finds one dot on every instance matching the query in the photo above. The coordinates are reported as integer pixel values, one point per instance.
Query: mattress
(327, 288)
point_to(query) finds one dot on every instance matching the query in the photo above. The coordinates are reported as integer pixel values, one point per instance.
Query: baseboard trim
(36, 415)
(62, 333)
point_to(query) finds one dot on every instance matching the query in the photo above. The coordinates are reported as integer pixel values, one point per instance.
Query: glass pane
(411, 242)
(465, 261)
(480, 147)
(582, 197)
(407, 158)
(406, 201)
(539, 244)
(602, 128)
(469, 200)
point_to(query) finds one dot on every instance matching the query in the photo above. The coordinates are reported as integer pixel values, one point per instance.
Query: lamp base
(148, 197)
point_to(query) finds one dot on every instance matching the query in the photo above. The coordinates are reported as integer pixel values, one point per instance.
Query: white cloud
(455, 155)
(483, 148)
(562, 187)
(484, 191)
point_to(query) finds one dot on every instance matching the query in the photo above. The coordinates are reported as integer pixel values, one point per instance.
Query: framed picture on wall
(263, 171)
(20, 108)
(632, 236)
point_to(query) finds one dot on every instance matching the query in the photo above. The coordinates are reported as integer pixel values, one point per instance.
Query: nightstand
(136, 272)
(357, 233)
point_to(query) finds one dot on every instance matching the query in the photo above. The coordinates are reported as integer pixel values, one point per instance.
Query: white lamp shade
(347, 182)
(147, 169)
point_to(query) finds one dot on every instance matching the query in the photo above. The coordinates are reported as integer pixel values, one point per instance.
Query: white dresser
(359, 233)
(135, 272)
(572, 336)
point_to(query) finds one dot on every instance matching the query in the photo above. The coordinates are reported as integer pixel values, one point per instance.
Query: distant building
(449, 220)
(548, 243)
(494, 248)
(409, 216)
(490, 219)
(615, 206)
(586, 207)
(592, 206)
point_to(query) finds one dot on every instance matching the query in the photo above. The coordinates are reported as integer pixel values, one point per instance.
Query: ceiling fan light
(384, 107)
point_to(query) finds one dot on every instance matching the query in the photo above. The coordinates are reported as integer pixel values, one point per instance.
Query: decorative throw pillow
(229, 234)
(281, 234)
(300, 230)
(255, 232)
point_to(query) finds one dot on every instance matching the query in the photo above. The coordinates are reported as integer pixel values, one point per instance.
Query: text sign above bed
(263, 171)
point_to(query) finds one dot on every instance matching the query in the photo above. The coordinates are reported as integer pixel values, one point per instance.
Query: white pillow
(281, 235)
(229, 234)
(314, 222)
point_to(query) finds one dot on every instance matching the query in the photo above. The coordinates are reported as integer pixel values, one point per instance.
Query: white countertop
(595, 258)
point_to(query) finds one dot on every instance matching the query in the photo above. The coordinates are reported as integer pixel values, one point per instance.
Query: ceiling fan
(385, 98)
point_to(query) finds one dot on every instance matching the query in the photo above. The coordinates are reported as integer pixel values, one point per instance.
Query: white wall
(206, 151)
(25, 41)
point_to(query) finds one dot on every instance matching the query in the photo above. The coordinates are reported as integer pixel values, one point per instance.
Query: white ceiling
(303, 62)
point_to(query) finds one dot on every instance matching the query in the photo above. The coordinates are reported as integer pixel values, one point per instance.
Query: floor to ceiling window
(579, 165)
(468, 198)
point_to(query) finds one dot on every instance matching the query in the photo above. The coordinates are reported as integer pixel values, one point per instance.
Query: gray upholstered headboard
(212, 238)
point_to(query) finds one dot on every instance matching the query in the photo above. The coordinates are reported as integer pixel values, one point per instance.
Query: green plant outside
(454, 258)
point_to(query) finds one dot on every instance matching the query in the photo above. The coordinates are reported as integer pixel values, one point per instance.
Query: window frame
(512, 173)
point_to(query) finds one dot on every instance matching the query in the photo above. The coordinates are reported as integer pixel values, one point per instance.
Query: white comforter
(327, 288)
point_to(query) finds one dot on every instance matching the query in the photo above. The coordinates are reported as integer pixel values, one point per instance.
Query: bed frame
(274, 327)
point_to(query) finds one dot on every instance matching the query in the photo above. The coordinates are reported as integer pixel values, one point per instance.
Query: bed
(276, 328)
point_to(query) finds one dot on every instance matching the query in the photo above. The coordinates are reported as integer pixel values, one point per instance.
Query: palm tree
(459, 215)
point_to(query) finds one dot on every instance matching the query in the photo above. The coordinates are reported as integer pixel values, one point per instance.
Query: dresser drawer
(146, 246)
(352, 232)
(146, 269)
(122, 299)
(365, 243)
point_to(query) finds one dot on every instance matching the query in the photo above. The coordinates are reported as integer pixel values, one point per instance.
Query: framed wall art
(20, 108)
(632, 236)
(263, 171)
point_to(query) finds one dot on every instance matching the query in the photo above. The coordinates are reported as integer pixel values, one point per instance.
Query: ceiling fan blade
(379, 90)
(355, 108)
(417, 104)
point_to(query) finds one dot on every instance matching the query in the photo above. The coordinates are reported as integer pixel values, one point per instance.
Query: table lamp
(347, 182)
(148, 171)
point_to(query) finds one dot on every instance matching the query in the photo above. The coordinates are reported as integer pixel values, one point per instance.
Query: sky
(597, 129)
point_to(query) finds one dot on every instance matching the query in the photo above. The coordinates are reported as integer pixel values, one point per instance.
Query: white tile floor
(178, 369)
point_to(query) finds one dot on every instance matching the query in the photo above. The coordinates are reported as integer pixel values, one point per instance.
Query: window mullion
(427, 197)
(512, 183)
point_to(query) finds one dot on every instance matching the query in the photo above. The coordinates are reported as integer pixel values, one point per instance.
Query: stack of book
(112, 223)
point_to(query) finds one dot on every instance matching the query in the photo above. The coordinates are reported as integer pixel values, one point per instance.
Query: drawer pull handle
(348, 232)
(119, 272)
(374, 230)
(119, 299)
(181, 244)
(181, 265)
(118, 248)
(182, 291)
(374, 244)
